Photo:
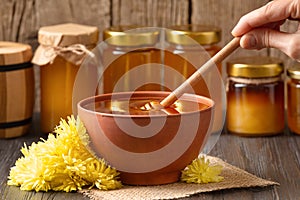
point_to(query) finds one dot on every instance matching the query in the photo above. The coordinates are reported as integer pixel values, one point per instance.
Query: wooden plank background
(21, 19)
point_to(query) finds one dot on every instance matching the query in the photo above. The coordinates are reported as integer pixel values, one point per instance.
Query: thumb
(263, 37)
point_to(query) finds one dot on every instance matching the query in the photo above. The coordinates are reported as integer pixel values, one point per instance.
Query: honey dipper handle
(195, 77)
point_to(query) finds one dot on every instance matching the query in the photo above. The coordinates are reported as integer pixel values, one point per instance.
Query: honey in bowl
(139, 107)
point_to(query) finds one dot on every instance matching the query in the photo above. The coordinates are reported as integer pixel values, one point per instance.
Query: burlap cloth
(233, 178)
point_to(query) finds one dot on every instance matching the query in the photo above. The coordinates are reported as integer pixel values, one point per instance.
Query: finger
(262, 37)
(274, 11)
(273, 25)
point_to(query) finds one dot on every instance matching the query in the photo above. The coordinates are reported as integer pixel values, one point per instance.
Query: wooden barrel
(16, 89)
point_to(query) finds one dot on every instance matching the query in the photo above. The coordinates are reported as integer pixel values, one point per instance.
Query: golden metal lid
(294, 72)
(68, 34)
(202, 34)
(130, 36)
(254, 67)
(14, 53)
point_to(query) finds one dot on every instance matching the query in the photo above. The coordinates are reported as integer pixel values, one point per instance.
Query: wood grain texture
(20, 20)
(16, 101)
(3, 98)
(9, 150)
(225, 14)
(150, 12)
(90, 12)
(275, 158)
(289, 27)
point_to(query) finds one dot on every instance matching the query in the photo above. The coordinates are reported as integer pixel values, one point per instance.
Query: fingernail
(233, 32)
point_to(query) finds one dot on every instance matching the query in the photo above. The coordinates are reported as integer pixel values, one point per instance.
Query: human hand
(261, 28)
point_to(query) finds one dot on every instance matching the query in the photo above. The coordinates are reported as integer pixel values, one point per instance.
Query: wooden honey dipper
(195, 77)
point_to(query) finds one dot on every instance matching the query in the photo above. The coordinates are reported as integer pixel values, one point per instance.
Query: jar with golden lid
(16, 89)
(60, 54)
(255, 96)
(131, 59)
(188, 48)
(293, 99)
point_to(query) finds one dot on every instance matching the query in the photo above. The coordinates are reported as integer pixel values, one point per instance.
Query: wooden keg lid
(14, 53)
(68, 34)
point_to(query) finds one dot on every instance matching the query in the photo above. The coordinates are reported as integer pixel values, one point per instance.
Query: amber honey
(125, 107)
(56, 93)
(125, 63)
(293, 99)
(129, 47)
(256, 110)
(60, 54)
(255, 96)
(190, 46)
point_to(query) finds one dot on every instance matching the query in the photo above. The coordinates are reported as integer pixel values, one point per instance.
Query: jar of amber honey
(188, 48)
(293, 99)
(131, 59)
(255, 96)
(60, 54)
(16, 89)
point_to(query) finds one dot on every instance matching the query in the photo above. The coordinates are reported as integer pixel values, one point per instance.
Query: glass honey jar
(255, 96)
(60, 54)
(131, 59)
(187, 48)
(293, 99)
(16, 89)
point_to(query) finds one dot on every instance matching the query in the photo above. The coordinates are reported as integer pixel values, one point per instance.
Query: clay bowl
(146, 148)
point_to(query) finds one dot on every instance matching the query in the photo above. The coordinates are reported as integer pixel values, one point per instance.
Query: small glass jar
(189, 47)
(255, 96)
(60, 54)
(131, 59)
(16, 89)
(293, 99)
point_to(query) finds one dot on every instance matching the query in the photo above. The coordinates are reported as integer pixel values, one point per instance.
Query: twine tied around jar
(254, 81)
(74, 53)
(78, 49)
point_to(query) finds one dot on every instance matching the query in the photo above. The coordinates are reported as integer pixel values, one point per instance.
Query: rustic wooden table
(275, 158)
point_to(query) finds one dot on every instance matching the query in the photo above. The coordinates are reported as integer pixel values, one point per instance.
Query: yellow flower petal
(62, 163)
(200, 171)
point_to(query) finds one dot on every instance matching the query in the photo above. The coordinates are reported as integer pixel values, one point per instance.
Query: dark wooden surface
(275, 158)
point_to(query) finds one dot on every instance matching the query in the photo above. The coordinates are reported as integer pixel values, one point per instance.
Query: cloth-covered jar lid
(70, 41)
(68, 34)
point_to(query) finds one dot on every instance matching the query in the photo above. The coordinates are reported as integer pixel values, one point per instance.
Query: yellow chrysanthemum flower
(62, 163)
(200, 171)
